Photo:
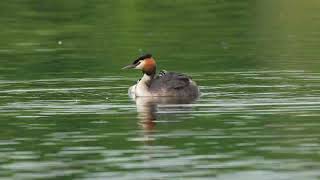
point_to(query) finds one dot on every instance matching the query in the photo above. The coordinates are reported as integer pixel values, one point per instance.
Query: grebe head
(146, 63)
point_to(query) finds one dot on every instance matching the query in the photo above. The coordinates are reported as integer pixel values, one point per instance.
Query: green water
(65, 112)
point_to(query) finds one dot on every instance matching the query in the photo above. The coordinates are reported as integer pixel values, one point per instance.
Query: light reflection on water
(91, 129)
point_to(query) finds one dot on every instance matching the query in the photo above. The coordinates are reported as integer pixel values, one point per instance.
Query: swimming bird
(168, 84)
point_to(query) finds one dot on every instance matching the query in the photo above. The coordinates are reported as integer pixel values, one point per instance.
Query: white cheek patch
(141, 65)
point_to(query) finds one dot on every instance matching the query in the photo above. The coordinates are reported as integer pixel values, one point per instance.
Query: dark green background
(98, 37)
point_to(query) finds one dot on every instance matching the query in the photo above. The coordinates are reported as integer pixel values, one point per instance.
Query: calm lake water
(65, 112)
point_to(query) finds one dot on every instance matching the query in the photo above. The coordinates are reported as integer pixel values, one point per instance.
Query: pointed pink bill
(130, 66)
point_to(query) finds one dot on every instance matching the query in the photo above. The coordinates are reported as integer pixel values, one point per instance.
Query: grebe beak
(130, 66)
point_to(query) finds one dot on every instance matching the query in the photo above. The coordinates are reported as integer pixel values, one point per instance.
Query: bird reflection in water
(148, 107)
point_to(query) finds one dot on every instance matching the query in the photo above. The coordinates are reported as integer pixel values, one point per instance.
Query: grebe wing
(170, 80)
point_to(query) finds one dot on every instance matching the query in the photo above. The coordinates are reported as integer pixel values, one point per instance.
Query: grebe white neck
(142, 87)
(146, 79)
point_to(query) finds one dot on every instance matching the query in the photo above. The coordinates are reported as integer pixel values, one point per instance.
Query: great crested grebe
(169, 84)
